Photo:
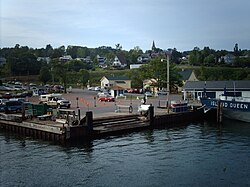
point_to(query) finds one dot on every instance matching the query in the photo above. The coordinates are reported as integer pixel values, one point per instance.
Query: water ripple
(195, 153)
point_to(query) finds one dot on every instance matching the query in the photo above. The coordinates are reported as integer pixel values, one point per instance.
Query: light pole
(168, 90)
(77, 103)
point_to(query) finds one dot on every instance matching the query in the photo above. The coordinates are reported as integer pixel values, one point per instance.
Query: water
(198, 154)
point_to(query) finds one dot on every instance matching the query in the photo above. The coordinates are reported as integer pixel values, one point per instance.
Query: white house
(119, 61)
(65, 58)
(117, 85)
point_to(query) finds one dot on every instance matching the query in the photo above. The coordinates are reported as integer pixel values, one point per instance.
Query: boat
(179, 106)
(237, 108)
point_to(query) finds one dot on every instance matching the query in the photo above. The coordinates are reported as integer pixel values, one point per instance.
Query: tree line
(22, 61)
(210, 57)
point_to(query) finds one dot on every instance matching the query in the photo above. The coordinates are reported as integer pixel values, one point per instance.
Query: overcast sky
(183, 24)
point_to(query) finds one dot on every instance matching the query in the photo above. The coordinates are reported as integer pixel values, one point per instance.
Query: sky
(180, 24)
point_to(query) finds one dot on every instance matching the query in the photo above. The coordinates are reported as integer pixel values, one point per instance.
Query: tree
(49, 50)
(157, 69)
(195, 57)
(58, 52)
(85, 76)
(45, 74)
(60, 71)
(209, 60)
(175, 56)
(118, 47)
(236, 50)
(134, 53)
(72, 51)
(75, 65)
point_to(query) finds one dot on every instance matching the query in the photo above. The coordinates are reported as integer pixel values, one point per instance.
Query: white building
(214, 89)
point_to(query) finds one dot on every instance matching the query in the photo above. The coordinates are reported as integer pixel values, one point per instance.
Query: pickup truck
(55, 100)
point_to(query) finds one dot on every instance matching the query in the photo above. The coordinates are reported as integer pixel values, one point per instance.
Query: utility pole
(168, 90)
(168, 87)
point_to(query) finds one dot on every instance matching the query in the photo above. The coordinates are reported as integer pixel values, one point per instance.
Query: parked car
(90, 88)
(97, 88)
(162, 92)
(134, 91)
(107, 99)
(2, 104)
(102, 94)
(3, 101)
(7, 95)
(13, 106)
(148, 94)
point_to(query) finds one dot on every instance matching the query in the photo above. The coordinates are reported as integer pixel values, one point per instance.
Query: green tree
(75, 65)
(85, 76)
(195, 57)
(157, 69)
(45, 74)
(49, 50)
(175, 56)
(209, 60)
(133, 54)
(60, 70)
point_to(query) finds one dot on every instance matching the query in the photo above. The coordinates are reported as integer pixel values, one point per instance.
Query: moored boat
(233, 107)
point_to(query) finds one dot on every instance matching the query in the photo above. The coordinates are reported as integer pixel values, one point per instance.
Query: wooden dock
(108, 125)
(89, 128)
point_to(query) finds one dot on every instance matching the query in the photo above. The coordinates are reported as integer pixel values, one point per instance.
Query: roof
(119, 78)
(217, 85)
(185, 74)
(121, 58)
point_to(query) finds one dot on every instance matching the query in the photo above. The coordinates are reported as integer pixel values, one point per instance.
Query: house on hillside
(117, 85)
(143, 58)
(65, 58)
(119, 61)
(195, 89)
(101, 61)
(228, 59)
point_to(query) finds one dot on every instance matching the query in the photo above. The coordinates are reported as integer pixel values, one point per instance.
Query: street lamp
(77, 103)
(168, 90)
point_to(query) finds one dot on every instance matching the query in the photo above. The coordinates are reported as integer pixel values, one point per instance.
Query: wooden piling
(219, 112)
(151, 114)
(89, 120)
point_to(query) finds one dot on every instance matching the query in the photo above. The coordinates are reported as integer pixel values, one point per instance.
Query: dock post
(151, 114)
(23, 112)
(219, 111)
(89, 120)
(79, 114)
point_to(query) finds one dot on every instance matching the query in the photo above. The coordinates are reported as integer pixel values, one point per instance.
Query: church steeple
(153, 46)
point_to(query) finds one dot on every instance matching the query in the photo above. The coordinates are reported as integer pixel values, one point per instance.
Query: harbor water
(194, 154)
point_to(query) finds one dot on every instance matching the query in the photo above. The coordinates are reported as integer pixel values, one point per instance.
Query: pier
(71, 128)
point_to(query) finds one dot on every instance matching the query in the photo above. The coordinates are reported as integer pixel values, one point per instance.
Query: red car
(107, 99)
(134, 91)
